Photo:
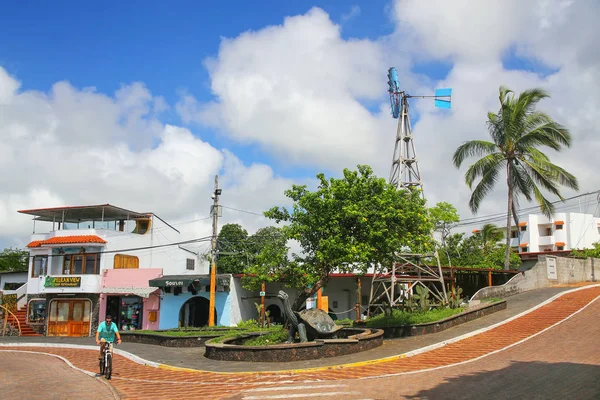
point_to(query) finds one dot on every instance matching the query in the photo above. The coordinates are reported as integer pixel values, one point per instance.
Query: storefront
(127, 297)
(69, 317)
(185, 300)
(127, 311)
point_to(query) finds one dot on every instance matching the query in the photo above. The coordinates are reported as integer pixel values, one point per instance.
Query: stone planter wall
(232, 350)
(392, 332)
(164, 340)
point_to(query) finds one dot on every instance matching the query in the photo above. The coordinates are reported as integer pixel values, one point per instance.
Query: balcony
(546, 241)
(68, 283)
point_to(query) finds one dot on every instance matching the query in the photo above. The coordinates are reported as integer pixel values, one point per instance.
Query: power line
(244, 211)
(198, 240)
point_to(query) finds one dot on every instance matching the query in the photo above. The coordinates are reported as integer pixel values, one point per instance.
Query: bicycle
(106, 361)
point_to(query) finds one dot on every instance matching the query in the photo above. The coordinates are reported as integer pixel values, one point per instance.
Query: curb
(142, 361)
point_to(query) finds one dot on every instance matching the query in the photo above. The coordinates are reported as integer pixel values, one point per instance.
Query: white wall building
(564, 231)
(97, 260)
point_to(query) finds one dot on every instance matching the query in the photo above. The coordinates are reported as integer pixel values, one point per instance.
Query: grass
(399, 318)
(275, 337)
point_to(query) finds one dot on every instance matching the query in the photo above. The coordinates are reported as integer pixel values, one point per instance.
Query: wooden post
(262, 304)
(5, 321)
(489, 278)
(452, 278)
(358, 299)
(319, 294)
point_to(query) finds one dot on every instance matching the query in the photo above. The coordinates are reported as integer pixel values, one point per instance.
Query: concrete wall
(12, 277)
(568, 271)
(170, 306)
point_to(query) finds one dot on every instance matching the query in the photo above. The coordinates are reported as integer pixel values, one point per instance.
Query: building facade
(99, 260)
(564, 231)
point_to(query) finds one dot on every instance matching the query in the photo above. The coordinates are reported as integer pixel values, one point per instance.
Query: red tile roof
(68, 240)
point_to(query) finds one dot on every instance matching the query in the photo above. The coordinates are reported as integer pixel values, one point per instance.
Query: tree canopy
(348, 225)
(518, 131)
(14, 260)
(232, 249)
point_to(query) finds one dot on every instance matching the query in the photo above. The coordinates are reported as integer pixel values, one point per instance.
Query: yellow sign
(325, 303)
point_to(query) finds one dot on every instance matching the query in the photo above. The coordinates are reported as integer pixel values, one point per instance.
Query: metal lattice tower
(392, 286)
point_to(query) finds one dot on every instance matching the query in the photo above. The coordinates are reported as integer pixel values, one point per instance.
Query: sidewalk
(194, 357)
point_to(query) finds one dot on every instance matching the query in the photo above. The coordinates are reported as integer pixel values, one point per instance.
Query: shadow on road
(522, 380)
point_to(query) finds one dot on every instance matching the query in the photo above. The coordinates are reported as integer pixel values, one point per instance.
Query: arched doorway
(194, 312)
(275, 314)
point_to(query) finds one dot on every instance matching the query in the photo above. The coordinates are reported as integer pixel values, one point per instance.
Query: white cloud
(72, 147)
(295, 89)
(353, 13)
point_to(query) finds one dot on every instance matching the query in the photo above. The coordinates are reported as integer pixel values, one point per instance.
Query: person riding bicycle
(107, 331)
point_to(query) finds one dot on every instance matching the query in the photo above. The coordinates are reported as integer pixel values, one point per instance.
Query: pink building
(126, 296)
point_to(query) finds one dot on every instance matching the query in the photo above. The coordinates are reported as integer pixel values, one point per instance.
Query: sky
(140, 104)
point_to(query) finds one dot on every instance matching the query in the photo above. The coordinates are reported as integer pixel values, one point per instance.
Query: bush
(399, 318)
(275, 337)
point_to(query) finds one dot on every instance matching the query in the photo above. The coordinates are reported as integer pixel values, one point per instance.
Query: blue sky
(162, 44)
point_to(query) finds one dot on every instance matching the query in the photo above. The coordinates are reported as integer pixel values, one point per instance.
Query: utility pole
(213, 257)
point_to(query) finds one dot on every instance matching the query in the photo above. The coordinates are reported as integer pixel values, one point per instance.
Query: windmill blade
(443, 98)
(394, 90)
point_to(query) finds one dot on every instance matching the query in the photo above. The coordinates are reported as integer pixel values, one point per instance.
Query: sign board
(551, 268)
(174, 283)
(310, 303)
(62, 281)
(262, 294)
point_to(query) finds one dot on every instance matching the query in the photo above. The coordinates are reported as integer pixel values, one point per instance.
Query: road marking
(275, 388)
(297, 395)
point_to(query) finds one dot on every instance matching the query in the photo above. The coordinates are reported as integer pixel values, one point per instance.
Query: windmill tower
(393, 285)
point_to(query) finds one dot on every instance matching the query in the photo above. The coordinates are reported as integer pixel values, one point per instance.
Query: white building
(98, 260)
(564, 231)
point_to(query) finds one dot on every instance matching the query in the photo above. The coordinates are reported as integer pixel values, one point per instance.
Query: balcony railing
(546, 240)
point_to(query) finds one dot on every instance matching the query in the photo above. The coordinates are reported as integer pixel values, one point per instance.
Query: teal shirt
(107, 332)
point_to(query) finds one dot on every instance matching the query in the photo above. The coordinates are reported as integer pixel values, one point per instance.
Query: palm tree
(517, 131)
(490, 236)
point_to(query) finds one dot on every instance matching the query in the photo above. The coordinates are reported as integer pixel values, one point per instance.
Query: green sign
(262, 294)
(62, 281)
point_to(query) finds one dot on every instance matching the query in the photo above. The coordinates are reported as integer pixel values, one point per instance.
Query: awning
(523, 223)
(137, 291)
(560, 244)
(186, 280)
(559, 222)
(524, 244)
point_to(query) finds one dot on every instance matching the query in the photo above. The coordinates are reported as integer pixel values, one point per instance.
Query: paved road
(194, 357)
(561, 363)
(26, 376)
(553, 362)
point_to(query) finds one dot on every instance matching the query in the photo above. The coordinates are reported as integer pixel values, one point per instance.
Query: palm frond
(472, 148)
(541, 175)
(546, 206)
(481, 166)
(485, 185)
(519, 181)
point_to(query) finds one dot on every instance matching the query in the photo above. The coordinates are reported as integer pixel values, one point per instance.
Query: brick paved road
(136, 381)
(26, 376)
(561, 363)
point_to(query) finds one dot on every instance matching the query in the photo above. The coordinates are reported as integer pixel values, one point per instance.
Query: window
(123, 261)
(190, 262)
(36, 311)
(560, 247)
(559, 227)
(81, 264)
(523, 228)
(40, 266)
(548, 231)
(514, 234)
(524, 249)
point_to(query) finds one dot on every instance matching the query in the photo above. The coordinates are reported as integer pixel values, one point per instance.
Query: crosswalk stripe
(275, 388)
(296, 395)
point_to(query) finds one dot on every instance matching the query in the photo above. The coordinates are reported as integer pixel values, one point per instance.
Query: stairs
(26, 330)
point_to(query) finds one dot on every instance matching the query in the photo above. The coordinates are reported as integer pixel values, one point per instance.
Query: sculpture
(310, 324)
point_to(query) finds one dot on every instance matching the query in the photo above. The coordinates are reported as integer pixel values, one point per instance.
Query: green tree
(348, 225)
(14, 260)
(490, 235)
(444, 217)
(232, 249)
(268, 257)
(518, 130)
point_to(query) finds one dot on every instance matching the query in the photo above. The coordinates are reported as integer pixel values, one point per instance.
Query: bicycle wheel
(101, 366)
(108, 367)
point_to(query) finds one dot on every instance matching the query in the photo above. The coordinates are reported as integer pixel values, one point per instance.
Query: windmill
(392, 286)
